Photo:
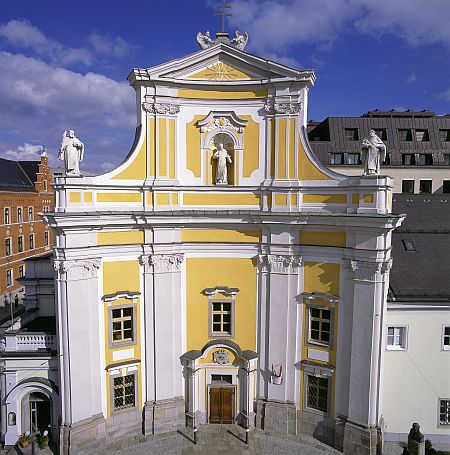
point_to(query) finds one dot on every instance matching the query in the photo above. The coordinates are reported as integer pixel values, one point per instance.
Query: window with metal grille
(354, 158)
(319, 325)
(7, 247)
(222, 378)
(425, 159)
(446, 338)
(317, 393)
(221, 318)
(336, 158)
(396, 339)
(422, 136)
(20, 243)
(6, 215)
(124, 392)
(351, 134)
(122, 324)
(405, 135)
(444, 412)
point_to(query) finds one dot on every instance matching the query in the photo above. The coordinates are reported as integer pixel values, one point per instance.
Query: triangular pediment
(221, 63)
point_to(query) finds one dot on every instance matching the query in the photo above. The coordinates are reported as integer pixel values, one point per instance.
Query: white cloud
(108, 45)
(275, 24)
(22, 34)
(23, 152)
(411, 78)
(107, 166)
(445, 95)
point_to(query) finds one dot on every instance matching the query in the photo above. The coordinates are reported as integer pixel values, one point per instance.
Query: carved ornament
(221, 124)
(279, 264)
(81, 269)
(282, 108)
(161, 108)
(162, 263)
(221, 357)
(368, 271)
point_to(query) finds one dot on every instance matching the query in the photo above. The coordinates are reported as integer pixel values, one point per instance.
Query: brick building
(25, 191)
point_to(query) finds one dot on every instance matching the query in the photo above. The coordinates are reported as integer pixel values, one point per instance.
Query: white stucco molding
(272, 107)
(162, 263)
(221, 290)
(374, 272)
(315, 369)
(284, 264)
(161, 108)
(121, 295)
(310, 296)
(81, 269)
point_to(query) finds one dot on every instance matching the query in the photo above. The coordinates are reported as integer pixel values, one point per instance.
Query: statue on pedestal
(72, 152)
(240, 40)
(205, 40)
(416, 443)
(373, 153)
(222, 156)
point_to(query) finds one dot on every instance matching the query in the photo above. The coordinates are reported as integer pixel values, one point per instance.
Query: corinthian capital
(161, 108)
(367, 271)
(78, 269)
(282, 108)
(279, 264)
(162, 263)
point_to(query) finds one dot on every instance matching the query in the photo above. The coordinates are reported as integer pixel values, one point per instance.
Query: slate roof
(18, 175)
(423, 274)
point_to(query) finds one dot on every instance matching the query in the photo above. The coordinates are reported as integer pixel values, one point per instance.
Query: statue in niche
(72, 152)
(205, 40)
(373, 153)
(222, 156)
(240, 40)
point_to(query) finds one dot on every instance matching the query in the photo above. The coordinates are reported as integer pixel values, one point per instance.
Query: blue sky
(64, 65)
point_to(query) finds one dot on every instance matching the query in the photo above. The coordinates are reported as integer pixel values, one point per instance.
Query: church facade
(221, 273)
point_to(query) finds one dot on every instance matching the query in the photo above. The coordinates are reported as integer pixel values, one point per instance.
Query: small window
(46, 242)
(422, 136)
(351, 134)
(317, 393)
(9, 277)
(407, 186)
(446, 158)
(30, 213)
(319, 326)
(336, 158)
(31, 239)
(19, 215)
(21, 271)
(446, 337)
(425, 159)
(124, 392)
(8, 247)
(354, 158)
(446, 186)
(396, 339)
(409, 245)
(425, 186)
(122, 324)
(45, 185)
(6, 215)
(20, 243)
(444, 412)
(222, 378)
(221, 318)
(444, 135)
(408, 159)
(405, 135)
(381, 133)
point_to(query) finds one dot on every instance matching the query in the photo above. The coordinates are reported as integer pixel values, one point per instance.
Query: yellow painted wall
(325, 198)
(162, 198)
(204, 273)
(251, 147)
(136, 169)
(322, 277)
(355, 198)
(220, 71)
(162, 147)
(272, 147)
(120, 238)
(281, 199)
(75, 197)
(220, 235)
(292, 148)
(307, 170)
(323, 238)
(221, 94)
(220, 199)
(88, 196)
(119, 197)
(282, 122)
(193, 152)
(368, 198)
(172, 148)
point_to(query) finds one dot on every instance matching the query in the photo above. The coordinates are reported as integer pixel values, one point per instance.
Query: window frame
(32, 241)
(413, 186)
(307, 374)
(394, 347)
(354, 138)
(439, 422)
(332, 155)
(353, 154)
(21, 270)
(19, 214)
(211, 333)
(8, 247)
(428, 181)
(425, 132)
(427, 157)
(444, 135)
(46, 238)
(409, 134)
(443, 336)
(20, 245)
(7, 215)
(413, 159)
(123, 343)
(9, 272)
(310, 341)
(111, 391)
(30, 213)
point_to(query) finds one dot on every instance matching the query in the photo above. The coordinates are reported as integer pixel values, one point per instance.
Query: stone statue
(373, 153)
(222, 156)
(416, 443)
(204, 40)
(72, 152)
(240, 41)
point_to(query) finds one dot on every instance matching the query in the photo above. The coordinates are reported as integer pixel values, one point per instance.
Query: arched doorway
(37, 412)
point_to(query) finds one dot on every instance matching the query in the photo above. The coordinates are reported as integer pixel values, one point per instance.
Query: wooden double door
(221, 404)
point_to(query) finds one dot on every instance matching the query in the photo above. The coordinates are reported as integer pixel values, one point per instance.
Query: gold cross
(223, 7)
